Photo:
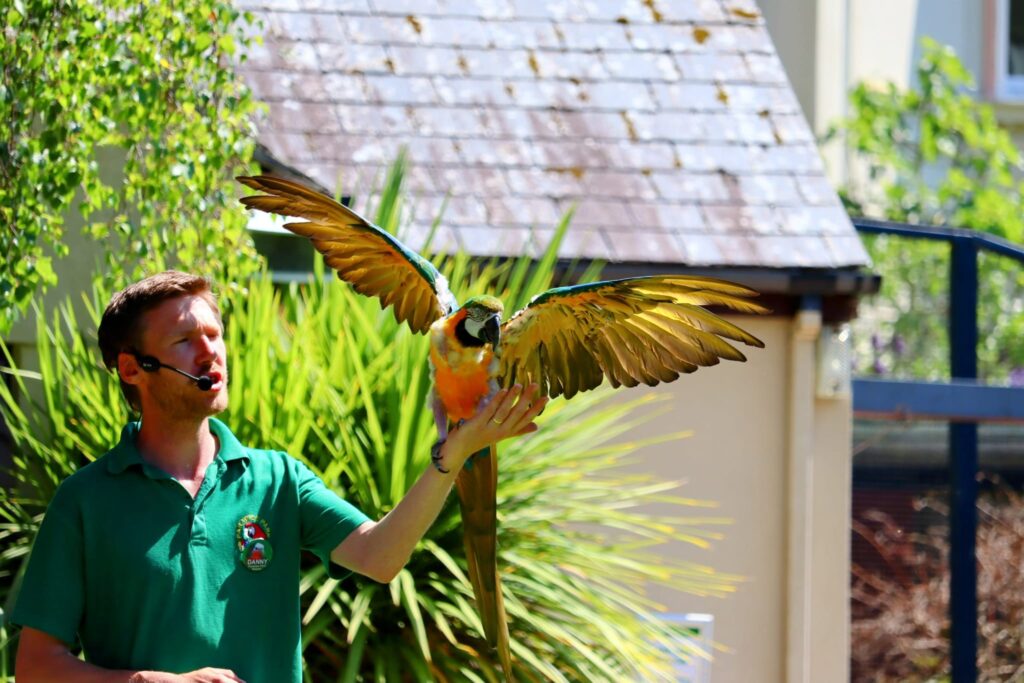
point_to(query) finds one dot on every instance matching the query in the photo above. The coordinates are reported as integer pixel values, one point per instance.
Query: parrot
(566, 340)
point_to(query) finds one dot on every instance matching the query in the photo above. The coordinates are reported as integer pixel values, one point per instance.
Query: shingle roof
(670, 124)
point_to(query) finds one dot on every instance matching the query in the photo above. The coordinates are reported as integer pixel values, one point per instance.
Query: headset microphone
(151, 364)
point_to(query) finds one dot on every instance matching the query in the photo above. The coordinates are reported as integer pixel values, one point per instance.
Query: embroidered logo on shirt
(254, 549)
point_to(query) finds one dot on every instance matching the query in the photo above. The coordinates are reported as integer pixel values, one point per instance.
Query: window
(1008, 66)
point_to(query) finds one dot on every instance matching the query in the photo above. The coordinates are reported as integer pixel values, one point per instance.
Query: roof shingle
(670, 126)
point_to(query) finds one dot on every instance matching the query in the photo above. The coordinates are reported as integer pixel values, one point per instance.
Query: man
(175, 556)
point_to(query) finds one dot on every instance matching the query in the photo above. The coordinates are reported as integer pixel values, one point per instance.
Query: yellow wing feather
(647, 330)
(375, 263)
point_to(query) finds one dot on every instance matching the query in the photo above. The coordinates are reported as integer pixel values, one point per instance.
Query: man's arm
(45, 659)
(380, 549)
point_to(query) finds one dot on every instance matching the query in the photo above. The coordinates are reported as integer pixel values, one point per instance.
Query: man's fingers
(509, 413)
(528, 429)
(492, 406)
(212, 675)
(526, 410)
(504, 407)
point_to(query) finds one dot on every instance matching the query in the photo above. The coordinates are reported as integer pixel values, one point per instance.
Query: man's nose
(207, 348)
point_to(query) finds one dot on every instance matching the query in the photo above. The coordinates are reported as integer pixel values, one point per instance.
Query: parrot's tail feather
(477, 487)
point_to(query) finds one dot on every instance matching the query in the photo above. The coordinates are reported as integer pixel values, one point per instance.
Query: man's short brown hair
(121, 325)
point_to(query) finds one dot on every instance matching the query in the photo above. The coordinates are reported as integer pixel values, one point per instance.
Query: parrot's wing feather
(645, 329)
(364, 255)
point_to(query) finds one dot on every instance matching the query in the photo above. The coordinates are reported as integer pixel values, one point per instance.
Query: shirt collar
(126, 453)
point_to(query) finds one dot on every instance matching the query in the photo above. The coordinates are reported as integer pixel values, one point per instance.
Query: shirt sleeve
(326, 519)
(52, 594)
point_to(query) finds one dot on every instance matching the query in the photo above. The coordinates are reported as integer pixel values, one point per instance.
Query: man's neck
(182, 449)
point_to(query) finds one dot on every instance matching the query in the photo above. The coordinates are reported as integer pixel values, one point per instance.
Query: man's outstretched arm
(380, 549)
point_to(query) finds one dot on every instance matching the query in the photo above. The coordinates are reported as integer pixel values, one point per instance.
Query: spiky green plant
(324, 374)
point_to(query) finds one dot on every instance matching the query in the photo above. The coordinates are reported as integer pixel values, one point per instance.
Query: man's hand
(209, 675)
(510, 413)
(45, 659)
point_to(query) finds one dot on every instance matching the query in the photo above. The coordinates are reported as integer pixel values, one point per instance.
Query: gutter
(849, 281)
(799, 618)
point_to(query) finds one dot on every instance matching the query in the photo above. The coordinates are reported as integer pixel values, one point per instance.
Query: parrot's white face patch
(474, 327)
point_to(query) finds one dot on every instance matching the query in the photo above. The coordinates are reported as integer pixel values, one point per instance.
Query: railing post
(963, 453)
(963, 436)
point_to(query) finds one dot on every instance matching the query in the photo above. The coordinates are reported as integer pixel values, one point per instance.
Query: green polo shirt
(149, 578)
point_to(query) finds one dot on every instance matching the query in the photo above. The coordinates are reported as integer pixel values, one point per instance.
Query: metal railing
(964, 403)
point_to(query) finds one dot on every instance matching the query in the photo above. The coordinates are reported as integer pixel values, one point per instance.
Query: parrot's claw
(435, 456)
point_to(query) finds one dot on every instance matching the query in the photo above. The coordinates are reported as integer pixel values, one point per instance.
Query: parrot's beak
(492, 331)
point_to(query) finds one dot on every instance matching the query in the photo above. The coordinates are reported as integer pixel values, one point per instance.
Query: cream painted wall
(827, 46)
(740, 457)
(75, 278)
(828, 43)
(884, 36)
(791, 26)
(735, 456)
(880, 40)
(74, 273)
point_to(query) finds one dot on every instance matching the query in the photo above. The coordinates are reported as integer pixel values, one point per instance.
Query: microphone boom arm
(153, 364)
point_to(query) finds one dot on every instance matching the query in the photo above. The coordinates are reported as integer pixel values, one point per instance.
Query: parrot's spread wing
(364, 255)
(646, 329)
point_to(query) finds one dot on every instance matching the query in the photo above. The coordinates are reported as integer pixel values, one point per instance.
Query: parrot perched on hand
(566, 340)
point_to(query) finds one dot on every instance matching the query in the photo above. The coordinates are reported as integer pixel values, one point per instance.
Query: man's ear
(128, 368)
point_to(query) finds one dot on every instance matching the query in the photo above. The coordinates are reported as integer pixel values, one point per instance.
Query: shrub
(901, 617)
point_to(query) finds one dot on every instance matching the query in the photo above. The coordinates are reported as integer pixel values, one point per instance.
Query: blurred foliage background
(901, 615)
(934, 154)
(127, 116)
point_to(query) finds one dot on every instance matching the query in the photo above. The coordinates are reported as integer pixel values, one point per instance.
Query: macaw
(566, 340)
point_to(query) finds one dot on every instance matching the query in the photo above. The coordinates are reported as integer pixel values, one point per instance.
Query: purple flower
(876, 342)
(1017, 377)
(879, 367)
(899, 344)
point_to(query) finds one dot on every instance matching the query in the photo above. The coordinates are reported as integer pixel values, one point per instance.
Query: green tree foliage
(130, 114)
(934, 155)
(321, 372)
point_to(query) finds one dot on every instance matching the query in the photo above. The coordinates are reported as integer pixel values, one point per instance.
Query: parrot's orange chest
(462, 374)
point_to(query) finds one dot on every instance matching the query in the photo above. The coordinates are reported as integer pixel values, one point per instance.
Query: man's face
(186, 333)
